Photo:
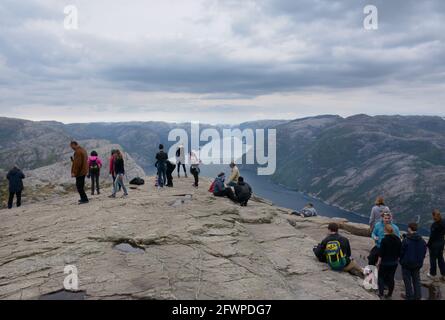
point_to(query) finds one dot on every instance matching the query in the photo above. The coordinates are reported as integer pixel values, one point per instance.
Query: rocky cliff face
(180, 243)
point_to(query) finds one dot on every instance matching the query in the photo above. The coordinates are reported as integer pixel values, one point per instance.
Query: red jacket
(111, 160)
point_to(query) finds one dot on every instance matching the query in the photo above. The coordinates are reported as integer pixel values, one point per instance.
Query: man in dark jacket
(170, 168)
(79, 169)
(411, 259)
(243, 192)
(15, 177)
(334, 237)
(161, 158)
(436, 245)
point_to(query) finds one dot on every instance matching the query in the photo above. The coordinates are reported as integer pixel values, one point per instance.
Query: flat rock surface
(187, 245)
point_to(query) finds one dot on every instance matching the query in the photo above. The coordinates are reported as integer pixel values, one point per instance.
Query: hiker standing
(376, 212)
(389, 254)
(79, 169)
(411, 259)
(15, 177)
(120, 172)
(436, 244)
(180, 160)
(170, 168)
(378, 234)
(194, 168)
(161, 158)
(94, 165)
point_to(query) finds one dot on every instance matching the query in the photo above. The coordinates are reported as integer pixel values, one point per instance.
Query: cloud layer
(219, 61)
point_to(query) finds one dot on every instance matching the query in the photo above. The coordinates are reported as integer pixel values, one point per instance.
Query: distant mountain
(349, 162)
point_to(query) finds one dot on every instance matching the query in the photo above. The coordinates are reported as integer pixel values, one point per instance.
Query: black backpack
(137, 181)
(178, 152)
(94, 167)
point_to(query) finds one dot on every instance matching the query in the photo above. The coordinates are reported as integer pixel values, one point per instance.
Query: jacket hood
(414, 236)
(93, 158)
(14, 171)
(242, 183)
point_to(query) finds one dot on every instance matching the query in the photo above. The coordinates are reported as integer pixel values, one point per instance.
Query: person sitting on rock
(233, 179)
(220, 190)
(170, 168)
(243, 192)
(15, 177)
(336, 252)
(378, 234)
(307, 211)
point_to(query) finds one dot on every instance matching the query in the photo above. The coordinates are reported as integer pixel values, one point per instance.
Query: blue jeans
(119, 183)
(162, 174)
(411, 278)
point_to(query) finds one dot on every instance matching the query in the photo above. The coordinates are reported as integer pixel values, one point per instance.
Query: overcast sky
(220, 61)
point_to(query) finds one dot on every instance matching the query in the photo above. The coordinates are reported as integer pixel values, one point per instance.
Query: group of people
(390, 250)
(241, 192)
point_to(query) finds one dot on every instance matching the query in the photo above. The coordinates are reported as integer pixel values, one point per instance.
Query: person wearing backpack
(161, 158)
(389, 254)
(180, 160)
(335, 250)
(412, 256)
(120, 172)
(94, 165)
(15, 177)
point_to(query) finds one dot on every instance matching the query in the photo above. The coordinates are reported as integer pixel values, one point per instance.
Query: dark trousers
(80, 184)
(411, 278)
(183, 167)
(436, 258)
(386, 277)
(11, 199)
(195, 174)
(226, 193)
(243, 200)
(162, 174)
(169, 179)
(95, 182)
(373, 256)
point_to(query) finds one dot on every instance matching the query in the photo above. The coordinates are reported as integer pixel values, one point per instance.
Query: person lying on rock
(336, 252)
(243, 192)
(307, 211)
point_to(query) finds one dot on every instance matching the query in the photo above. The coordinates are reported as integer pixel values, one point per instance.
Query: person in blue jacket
(412, 256)
(378, 234)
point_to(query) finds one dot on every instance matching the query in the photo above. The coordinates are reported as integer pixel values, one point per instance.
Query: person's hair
(310, 205)
(387, 214)
(74, 143)
(389, 229)
(93, 154)
(232, 164)
(436, 215)
(118, 154)
(380, 201)
(113, 152)
(240, 179)
(221, 174)
(161, 146)
(333, 227)
(413, 226)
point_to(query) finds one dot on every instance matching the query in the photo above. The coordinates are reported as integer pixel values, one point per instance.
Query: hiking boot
(403, 296)
(83, 201)
(98, 192)
(112, 196)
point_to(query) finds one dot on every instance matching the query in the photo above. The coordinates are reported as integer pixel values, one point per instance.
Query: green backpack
(334, 255)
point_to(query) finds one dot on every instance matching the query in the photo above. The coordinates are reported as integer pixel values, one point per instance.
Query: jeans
(80, 185)
(411, 278)
(162, 174)
(119, 183)
(95, 182)
(114, 180)
(11, 199)
(436, 258)
(386, 277)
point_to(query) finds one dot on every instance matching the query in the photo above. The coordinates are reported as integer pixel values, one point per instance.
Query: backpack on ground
(94, 167)
(334, 255)
(137, 181)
